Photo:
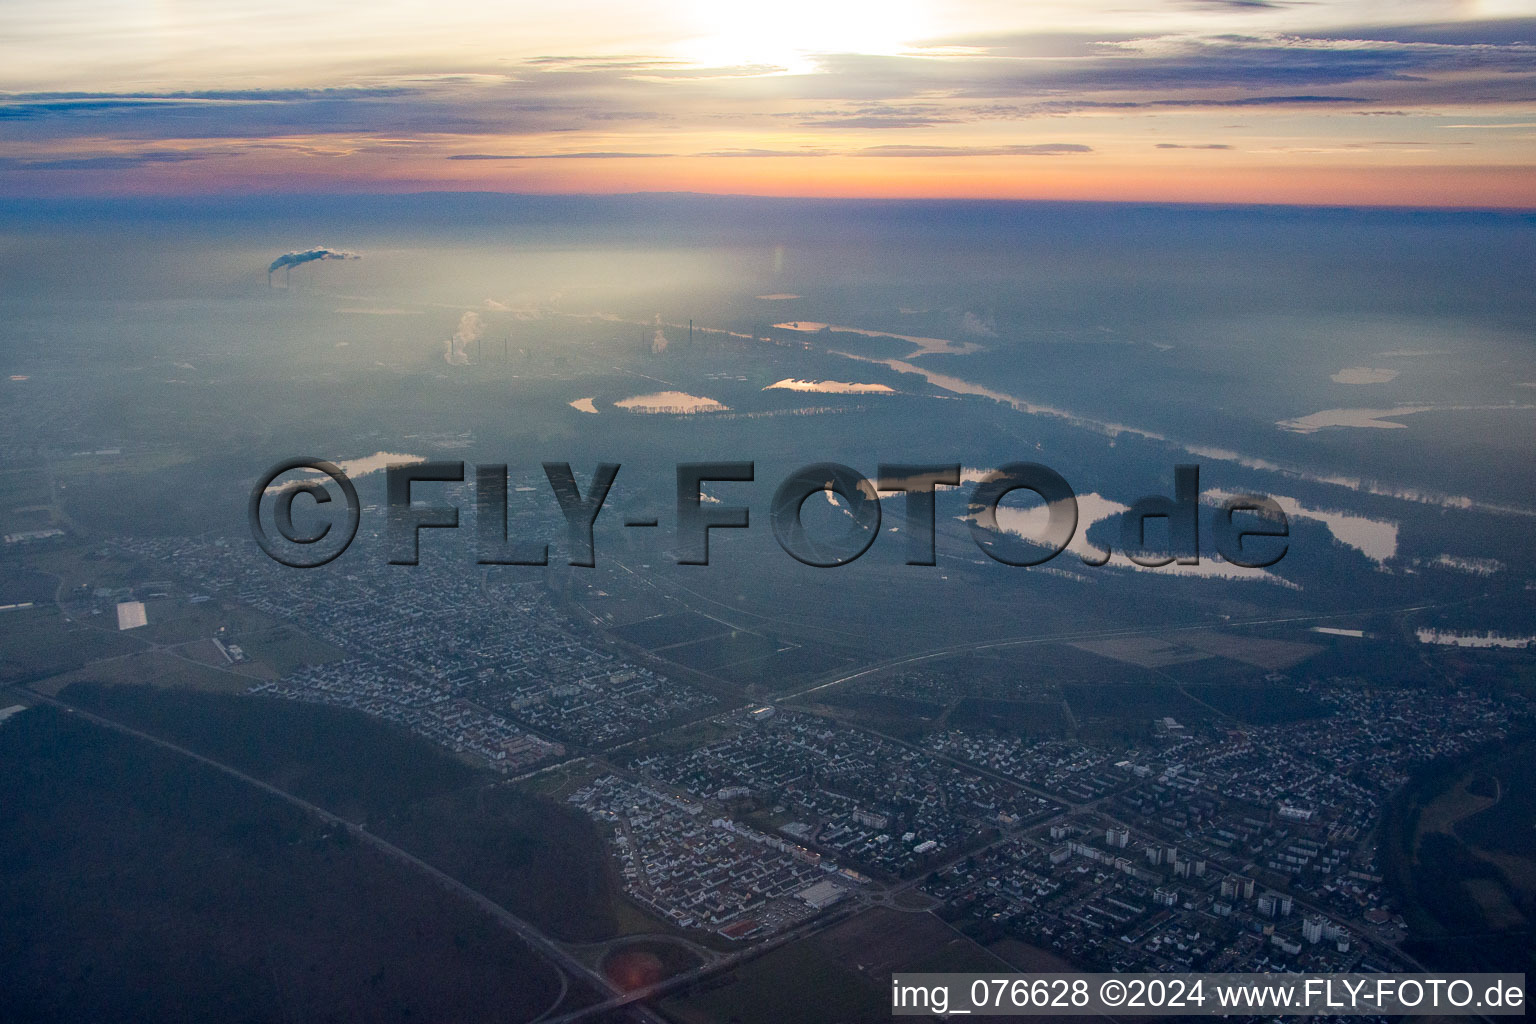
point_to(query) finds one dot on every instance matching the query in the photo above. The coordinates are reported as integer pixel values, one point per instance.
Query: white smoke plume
(975, 323)
(288, 260)
(456, 348)
(659, 339)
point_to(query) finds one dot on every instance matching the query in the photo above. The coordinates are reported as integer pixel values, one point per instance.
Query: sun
(789, 34)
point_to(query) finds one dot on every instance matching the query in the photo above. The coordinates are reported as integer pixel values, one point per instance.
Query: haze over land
(506, 768)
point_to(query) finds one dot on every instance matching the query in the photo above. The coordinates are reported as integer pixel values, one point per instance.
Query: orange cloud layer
(1057, 178)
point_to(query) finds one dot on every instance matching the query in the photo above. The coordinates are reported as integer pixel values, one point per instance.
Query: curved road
(565, 965)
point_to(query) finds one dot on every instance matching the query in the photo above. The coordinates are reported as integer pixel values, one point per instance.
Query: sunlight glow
(788, 35)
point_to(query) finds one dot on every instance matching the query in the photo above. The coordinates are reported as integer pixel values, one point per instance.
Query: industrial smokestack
(456, 348)
(658, 338)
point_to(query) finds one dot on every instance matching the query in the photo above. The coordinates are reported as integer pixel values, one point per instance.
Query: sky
(1411, 102)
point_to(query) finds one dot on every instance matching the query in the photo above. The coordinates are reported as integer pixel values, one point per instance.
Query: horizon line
(192, 198)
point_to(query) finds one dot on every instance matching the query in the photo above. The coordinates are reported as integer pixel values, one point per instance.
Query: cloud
(1056, 108)
(417, 106)
(1255, 101)
(616, 62)
(1477, 32)
(1238, 5)
(927, 102)
(1043, 149)
(765, 152)
(64, 99)
(555, 156)
(874, 115)
(962, 80)
(288, 260)
(1180, 145)
(1160, 67)
(975, 323)
(113, 161)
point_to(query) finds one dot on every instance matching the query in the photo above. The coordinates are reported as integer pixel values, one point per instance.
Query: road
(565, 965)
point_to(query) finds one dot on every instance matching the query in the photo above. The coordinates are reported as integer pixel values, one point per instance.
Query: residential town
(1215, 846)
